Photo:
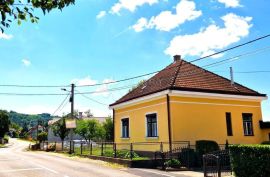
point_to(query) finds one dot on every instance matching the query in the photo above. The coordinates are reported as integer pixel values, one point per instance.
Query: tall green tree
(4, 123)
(90, 130)
(60, 129)
(20, 10)
(108, 129)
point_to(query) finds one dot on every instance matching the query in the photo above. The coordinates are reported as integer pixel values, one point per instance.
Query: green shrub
(206, 146)
(43, 136)
(250, 160)
(124, 154)
(172, 163)
(266, 142)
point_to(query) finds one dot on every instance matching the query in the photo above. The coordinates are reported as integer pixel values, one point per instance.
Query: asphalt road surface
(16, 162)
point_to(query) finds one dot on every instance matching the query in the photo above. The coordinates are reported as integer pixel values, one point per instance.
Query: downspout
(113, 125)
(169, 122)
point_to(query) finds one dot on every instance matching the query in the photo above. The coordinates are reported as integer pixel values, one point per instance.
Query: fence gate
(217, 164)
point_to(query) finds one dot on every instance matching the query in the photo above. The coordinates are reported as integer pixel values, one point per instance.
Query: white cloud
(103, 90)
(101, 14)
(26, 62)
(5, 36)
(84, 81)
(214, 37)
(230, 3)
(130, 5)
(167, 20)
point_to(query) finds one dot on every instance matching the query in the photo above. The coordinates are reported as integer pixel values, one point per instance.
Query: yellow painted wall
(137, 122)
(191, 119)
(204, 119)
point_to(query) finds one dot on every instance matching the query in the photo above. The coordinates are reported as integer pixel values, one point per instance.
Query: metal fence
(217, 164)
(212, 163)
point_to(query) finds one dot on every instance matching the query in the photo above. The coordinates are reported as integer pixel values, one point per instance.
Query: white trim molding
(190, 94)
(140, 100)
(216, 96)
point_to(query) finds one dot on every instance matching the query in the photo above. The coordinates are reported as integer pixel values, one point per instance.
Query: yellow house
(184, 102)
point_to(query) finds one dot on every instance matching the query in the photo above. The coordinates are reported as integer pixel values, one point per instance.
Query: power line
(231, 48)
(60, 105)
(91, 99)
(139, 76)
(237, 57)
(58, 94)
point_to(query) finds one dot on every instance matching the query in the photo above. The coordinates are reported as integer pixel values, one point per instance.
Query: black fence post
(131, 151)
(102, 149)
(114, 149)
(204, 167)
(81, 148)
(161, 147)
(218, 167)
(91, 148)
(188, 155)
(70, 147)
(62, 145)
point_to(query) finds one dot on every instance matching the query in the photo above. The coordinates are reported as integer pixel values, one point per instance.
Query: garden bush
(250, 160)
(266, 142)
(174, 163)
(206, 146)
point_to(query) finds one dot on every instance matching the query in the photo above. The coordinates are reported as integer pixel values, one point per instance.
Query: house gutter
(169, 122)
(113, 125)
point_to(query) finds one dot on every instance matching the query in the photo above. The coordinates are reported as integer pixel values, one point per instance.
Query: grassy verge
(2, 146)
(77, 157)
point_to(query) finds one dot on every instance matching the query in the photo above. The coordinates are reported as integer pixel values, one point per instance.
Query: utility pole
(72, 114)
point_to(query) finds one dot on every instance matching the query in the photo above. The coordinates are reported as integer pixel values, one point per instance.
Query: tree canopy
(108, 128)
(90, 130)
(60, 130)
(4, 123)
(20, 10)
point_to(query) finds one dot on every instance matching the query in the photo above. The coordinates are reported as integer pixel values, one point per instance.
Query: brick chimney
(176, 58)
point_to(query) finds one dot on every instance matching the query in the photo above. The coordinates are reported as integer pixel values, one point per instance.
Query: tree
(4, 123)
(88, 113)
(42, 136)
(90, 130)
(21, 11)
(108, 128)
(140, 83)
(60, 130)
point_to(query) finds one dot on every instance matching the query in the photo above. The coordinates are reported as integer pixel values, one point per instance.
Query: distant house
(184, 102)
(52, 137)
(34, 131)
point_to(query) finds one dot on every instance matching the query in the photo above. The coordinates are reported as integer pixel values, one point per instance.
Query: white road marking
(41, 166)
(154, 172)
(18, 170)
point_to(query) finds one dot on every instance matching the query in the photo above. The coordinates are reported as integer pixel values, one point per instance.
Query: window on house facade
(151, 120)
(229, 123)
(247, 124)
(125, 128)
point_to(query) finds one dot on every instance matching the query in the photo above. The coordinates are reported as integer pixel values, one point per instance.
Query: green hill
(29, 119)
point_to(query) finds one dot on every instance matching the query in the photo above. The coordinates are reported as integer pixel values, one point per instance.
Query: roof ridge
(176, 74)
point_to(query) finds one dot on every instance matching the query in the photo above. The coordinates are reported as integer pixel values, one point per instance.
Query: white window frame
(247, 125)
(146, 127)
(121, 129)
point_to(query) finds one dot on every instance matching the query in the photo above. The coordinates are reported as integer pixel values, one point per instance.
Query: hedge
(250, 160)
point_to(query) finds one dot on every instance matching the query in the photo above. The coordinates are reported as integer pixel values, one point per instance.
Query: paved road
(16, 162)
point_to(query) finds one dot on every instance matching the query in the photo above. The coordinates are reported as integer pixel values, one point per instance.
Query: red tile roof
(184, 76)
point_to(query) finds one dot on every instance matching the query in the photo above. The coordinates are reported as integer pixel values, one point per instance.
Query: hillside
(28, 119)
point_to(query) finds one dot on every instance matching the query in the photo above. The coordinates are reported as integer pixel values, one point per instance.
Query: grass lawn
(2, 145)
(107, 152)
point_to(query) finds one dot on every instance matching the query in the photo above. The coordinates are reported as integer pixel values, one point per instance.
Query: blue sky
(97, 41)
